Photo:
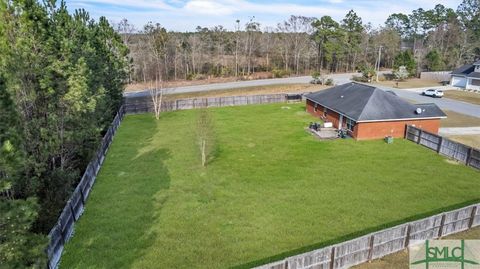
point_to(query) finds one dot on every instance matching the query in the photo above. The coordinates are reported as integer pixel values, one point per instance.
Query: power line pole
(237, 32)
(378, 60)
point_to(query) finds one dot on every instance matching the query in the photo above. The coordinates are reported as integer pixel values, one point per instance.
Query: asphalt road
(410, 94)
(337, 78)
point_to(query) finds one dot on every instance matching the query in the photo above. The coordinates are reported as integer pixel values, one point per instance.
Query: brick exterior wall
(375, 130)
(332, 116)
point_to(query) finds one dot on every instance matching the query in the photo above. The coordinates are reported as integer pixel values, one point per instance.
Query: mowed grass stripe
(272, 189)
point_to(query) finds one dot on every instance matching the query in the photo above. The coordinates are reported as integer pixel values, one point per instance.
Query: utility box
(389, 139)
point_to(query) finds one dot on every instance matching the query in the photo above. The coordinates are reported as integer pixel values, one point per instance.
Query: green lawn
(272, 190)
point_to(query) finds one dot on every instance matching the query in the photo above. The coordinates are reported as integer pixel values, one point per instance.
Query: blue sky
(186, 15)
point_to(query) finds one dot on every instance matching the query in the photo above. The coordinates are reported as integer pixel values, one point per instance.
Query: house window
(315, 107)
(325, 110)
(476, 82)
(350, 124)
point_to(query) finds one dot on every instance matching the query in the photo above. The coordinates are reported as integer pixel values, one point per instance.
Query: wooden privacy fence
(63, 229)
(436, 76)
(145, 104)
(382, 243)
(460, 152)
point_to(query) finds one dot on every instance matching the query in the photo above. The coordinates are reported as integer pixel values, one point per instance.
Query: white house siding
(473, 84)
(459, 81)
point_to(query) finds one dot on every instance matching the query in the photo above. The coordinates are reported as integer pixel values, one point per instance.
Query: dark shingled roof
(366, 103)
(464, 70)
(474, 75)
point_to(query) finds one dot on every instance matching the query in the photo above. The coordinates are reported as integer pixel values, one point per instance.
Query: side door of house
(340, 122)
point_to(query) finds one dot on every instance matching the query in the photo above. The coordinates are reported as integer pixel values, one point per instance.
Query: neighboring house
(467, 76)
(367, 112)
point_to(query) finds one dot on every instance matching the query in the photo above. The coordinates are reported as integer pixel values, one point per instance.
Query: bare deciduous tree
(126, 30)
(299, 45)
(156, 93)
(205, 135)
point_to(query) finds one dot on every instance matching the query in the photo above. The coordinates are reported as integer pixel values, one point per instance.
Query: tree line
(439, 39)
(61, 82)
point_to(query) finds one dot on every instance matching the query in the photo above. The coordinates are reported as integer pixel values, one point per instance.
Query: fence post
(407, 237)
(81, 195)
(60, 227)
(469, 155)
(472, 216)
(370, 248)
(332, 258)
(73, 211)
(440, 229)
(419, 136)
(440, 142)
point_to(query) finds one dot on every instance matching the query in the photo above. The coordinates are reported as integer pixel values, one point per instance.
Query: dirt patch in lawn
(455, 119)
(469, 97)
(450, 161)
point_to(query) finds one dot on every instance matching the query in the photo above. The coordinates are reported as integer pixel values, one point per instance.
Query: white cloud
(208, 7)
(181, 15)
(127, 3)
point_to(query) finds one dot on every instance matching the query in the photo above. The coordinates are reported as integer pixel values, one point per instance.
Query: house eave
(341, 113)
(404, 119)
(381, 120)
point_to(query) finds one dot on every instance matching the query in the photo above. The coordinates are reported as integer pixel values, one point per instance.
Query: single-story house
(467, 76)
(367, 112)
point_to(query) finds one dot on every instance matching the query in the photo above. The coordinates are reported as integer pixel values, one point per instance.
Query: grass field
(410, 83)
(455, 119)
(469, 140)
(267, 89)
(272, 190)
(464, 96)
